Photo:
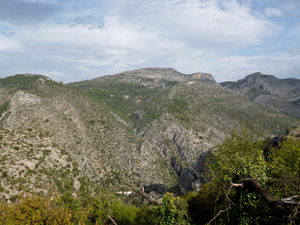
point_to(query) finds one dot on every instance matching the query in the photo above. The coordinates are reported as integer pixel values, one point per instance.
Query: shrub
(13, 198)
(201, 207)
(166, 213)
(3, 108)
(4, 174)
(34, 209)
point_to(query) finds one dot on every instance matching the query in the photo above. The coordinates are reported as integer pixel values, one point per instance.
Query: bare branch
(221, 211)
(229, 200)
(145, 195)
(253, 182)
(112, 220)
(294, 214)
(290, 198)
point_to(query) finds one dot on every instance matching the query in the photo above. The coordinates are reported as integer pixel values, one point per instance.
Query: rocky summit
(148, 127)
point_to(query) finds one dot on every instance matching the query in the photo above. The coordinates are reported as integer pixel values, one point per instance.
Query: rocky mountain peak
(267, 83)
(257, 78)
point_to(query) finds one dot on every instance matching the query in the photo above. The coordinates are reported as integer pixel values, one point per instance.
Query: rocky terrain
(152, 126)
(279, 94)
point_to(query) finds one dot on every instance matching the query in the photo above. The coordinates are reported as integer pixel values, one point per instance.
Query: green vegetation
(21, 81)
(169, 212)
(242, 157)
(112, 98)
(178, 108)
(149, 112)
(67, 209)
(3, 108)
(4, 174)
(296, 102)
(125, 99)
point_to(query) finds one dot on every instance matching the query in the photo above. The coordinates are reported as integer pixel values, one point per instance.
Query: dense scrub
(67, 209)
(101, 209)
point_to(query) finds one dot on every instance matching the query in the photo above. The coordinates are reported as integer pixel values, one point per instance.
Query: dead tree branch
(221, 211)
(229, 200)
(145, 195)
(112, 220)
(254, 183)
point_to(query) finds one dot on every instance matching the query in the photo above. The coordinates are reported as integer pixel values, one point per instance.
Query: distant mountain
(142, 127)
(151, 78)
(168, 74)
(279, 94)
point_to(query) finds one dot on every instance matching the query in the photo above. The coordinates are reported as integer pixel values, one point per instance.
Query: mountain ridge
(279, 94)
(168, 74)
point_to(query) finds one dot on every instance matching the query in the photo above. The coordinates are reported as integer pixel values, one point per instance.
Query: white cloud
(208, 25)
(95, 62)
(9, 45)
(273, 12)
(223, 24)
(96, 38)
(56, 75)
(280, 65)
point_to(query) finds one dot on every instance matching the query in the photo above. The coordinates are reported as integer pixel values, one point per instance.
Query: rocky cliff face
(281, 95)
(118, 132)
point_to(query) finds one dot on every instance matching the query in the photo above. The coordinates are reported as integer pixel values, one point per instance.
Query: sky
(74, 40)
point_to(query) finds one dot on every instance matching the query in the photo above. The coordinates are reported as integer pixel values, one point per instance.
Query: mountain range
(151, 126)
(279, 94)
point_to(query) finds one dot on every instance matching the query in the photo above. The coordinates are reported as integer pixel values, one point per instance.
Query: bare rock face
(21, 98)
(174, 141)
(203, 76)
(193, 177)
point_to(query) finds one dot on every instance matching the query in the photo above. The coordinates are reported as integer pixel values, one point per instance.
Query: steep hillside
(280, 94)
(97, 143)
(117, 132)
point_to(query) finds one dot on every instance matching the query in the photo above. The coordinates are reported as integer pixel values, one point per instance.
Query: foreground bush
(226, 199)
(169, 212)
(66, 209)
(34, 209)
